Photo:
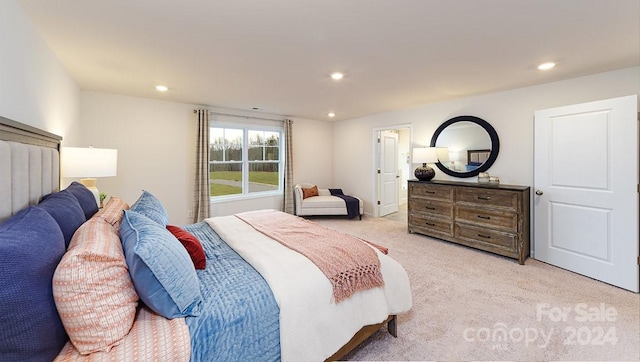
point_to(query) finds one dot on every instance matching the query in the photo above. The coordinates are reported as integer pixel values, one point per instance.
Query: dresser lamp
(89, 164)
(425, 155)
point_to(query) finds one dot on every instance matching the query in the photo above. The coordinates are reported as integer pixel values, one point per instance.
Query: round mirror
(467, 145)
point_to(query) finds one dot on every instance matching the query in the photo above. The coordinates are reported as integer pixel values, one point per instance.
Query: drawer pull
(430, 224)
(429, 192)
(484, 217)
(485, 198)
(429, 208)
(484, 236)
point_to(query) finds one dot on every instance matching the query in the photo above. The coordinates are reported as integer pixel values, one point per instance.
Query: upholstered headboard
(29, 166)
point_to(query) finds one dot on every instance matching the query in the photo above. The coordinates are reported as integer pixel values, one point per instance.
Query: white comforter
(312, 327)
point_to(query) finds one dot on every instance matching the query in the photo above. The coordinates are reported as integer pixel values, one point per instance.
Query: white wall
(405, 171)
(156, 151)
(510, 113)
(34, 87)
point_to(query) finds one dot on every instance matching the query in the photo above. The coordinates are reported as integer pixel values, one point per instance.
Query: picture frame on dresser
(493, 218)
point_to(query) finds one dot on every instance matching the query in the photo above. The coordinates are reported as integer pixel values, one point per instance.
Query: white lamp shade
(425, 155)
(443, 154)
(88, 162)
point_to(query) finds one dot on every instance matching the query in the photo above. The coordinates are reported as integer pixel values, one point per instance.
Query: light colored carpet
(473, 305)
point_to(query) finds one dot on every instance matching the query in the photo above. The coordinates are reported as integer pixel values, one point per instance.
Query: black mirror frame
(495, 145)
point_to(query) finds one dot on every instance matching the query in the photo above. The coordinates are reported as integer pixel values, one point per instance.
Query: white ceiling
(277, 54)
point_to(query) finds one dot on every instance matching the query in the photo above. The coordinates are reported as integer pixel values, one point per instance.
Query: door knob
(539, 192)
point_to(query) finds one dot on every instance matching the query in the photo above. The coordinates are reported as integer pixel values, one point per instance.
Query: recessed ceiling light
(331, 114)
(162, 88)
(546, 66)
(337, 76)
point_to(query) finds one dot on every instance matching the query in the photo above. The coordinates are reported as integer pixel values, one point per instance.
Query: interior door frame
(375, 176)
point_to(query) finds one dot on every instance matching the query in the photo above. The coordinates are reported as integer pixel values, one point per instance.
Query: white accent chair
(323, 204)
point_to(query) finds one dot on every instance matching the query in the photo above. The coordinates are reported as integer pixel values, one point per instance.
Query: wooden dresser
(493, 218)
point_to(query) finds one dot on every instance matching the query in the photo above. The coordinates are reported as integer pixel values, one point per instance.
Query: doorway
(392, 170)
(586, 189)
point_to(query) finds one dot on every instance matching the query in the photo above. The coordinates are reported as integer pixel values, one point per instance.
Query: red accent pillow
(192, 244)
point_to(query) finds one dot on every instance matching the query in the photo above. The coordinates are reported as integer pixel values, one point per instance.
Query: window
(245, 160)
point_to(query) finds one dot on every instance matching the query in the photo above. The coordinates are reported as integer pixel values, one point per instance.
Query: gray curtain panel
(201, 201)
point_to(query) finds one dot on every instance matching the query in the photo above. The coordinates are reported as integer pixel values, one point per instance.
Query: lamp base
(90, 183)
(424, 173)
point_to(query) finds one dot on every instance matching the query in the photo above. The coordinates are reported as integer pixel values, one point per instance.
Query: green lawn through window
(270, 178)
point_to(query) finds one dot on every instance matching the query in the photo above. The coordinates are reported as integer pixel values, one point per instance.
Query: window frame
(246, 128)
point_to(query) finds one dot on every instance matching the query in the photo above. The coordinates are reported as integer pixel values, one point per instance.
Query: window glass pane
(263, 176)
(256, 146)
(256, 153)
(225, 178)
(272, 153)
(216, 144)
(272, 146)
(256, 138)
(233, 144)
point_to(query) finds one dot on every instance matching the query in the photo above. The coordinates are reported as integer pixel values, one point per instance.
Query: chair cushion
(320, 202)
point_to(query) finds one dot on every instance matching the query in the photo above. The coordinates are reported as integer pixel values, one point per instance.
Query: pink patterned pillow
(113, 212)
(152, 338)
(92, 288)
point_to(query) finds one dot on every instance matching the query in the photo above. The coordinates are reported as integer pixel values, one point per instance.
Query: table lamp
(89, 164)
(425, 155)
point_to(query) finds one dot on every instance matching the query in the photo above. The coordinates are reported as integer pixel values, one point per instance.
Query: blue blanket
(240, 318)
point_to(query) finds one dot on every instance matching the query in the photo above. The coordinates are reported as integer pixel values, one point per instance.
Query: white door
(586, 189)
(389, 178)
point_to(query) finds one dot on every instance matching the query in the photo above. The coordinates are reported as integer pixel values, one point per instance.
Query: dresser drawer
(492, 239)
(481, 196)
(436, 208)
(494, 219)
(428, 225)
(431, 191)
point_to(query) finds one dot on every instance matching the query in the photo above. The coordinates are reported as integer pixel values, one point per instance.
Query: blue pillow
(31, 245)
(149, 206)
(66, 210)
(162, 271)
(85, 197)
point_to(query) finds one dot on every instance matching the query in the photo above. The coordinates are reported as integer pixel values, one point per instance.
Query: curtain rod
(239, 116)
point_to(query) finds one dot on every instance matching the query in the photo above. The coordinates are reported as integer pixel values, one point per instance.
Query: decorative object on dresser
(472, 145)
(492, 218)
(425, 155)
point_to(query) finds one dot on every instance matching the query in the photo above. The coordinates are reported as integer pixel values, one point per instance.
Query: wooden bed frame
(17, 132)
(363, 334)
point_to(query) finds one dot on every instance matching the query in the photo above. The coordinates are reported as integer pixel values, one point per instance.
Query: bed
(122, 283)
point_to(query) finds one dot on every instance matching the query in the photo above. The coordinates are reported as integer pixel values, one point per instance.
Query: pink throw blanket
(349, 264)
